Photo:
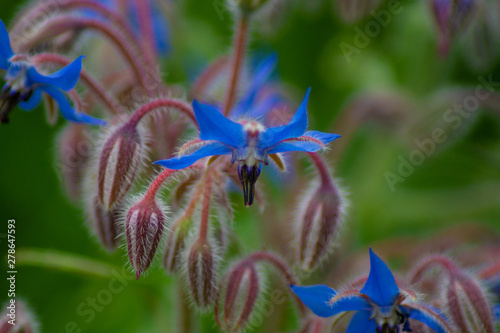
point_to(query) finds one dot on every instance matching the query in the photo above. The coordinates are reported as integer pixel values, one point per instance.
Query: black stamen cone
(9, 99)
(248, 177)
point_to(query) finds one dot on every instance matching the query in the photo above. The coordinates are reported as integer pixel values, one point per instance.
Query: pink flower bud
(17, 313)
(202, 272)
(104, 224)
(468, 305)
(237, 299)
(73, 152)
(119, 161)
(144, 226)
(320, 216)
(313, 324)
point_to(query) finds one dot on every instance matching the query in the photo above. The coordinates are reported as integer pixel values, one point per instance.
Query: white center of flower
(387, 315)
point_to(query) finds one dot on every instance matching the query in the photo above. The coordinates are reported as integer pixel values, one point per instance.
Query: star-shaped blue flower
(380, 305)
(25, 85)
(247, 139)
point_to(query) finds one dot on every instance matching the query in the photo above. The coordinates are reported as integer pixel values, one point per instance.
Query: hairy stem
(240, 44)
(161, 103)
(324, 173)
(207, 76)
(205, 209)
(95, 87)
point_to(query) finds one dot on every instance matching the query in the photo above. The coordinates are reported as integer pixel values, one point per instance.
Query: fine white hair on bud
(104, 224)
(119, 161)
(319, 218)
(145, 222)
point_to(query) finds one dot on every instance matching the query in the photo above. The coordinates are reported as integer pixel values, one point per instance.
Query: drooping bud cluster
(144, 226)
(319, 218)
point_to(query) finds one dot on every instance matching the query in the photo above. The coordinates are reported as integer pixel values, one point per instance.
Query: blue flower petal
(65, 78)
(215, 126)
(295, 128)
(263, 107)
(32, 102)
(303, 144)
(361, 323)
(262, 74)
(429, 317)
(181, 162)
(326, 138)
(381, 286)
(496, 312)
(67, 111)
(319, 299)
(5, 48)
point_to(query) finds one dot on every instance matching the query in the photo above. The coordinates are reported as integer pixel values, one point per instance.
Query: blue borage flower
(247, 139)
(25, 84)
(380, 305)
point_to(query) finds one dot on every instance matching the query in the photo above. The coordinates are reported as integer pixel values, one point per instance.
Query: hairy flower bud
(17, 318)
(452, 16)
(320, 216)
(237, 299)
(202, 272)
(119, 161)
(73, 152)
(176, 242)
(104, 224)
(313, 324)
(144, 226)
(468, 305)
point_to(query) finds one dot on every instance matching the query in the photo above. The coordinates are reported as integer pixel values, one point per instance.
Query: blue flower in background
(24, 85)
(247, 139)
(380, 305)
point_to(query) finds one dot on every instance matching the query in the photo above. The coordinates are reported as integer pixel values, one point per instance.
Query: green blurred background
(459, 183)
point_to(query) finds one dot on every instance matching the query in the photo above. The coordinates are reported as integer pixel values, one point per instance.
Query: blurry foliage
(459, 183)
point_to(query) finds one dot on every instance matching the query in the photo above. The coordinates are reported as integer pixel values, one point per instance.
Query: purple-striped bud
(144, 226)
(320, 215)
(468, 305)
(452, 17)
(176, 243)
(238, 294)
(73, 152)
(202, 272)
(119, 162)
(17, 318)
(105, 225)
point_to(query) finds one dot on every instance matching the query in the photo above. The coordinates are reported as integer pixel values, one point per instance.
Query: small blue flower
(247, 139)
(24, 86)
(380, 305)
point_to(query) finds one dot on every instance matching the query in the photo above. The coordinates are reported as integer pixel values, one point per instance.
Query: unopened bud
(176, 242)
(144, 226)
(17, 318)
(119, 161)
(74, 149)
(313, 324)
(237, 299)
(104, 224)
(320, 216)
(452, 17)
(202, 273)
(468, 305)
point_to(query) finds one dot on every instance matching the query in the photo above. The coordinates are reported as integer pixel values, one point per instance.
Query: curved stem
(161, 178)
(207, 76)
(324, 173)
(283, 268)
(159, 103)
(94, 86)
(47, 7)
(240, 44)
(62, 24)
(431, 262)
(146, 28)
